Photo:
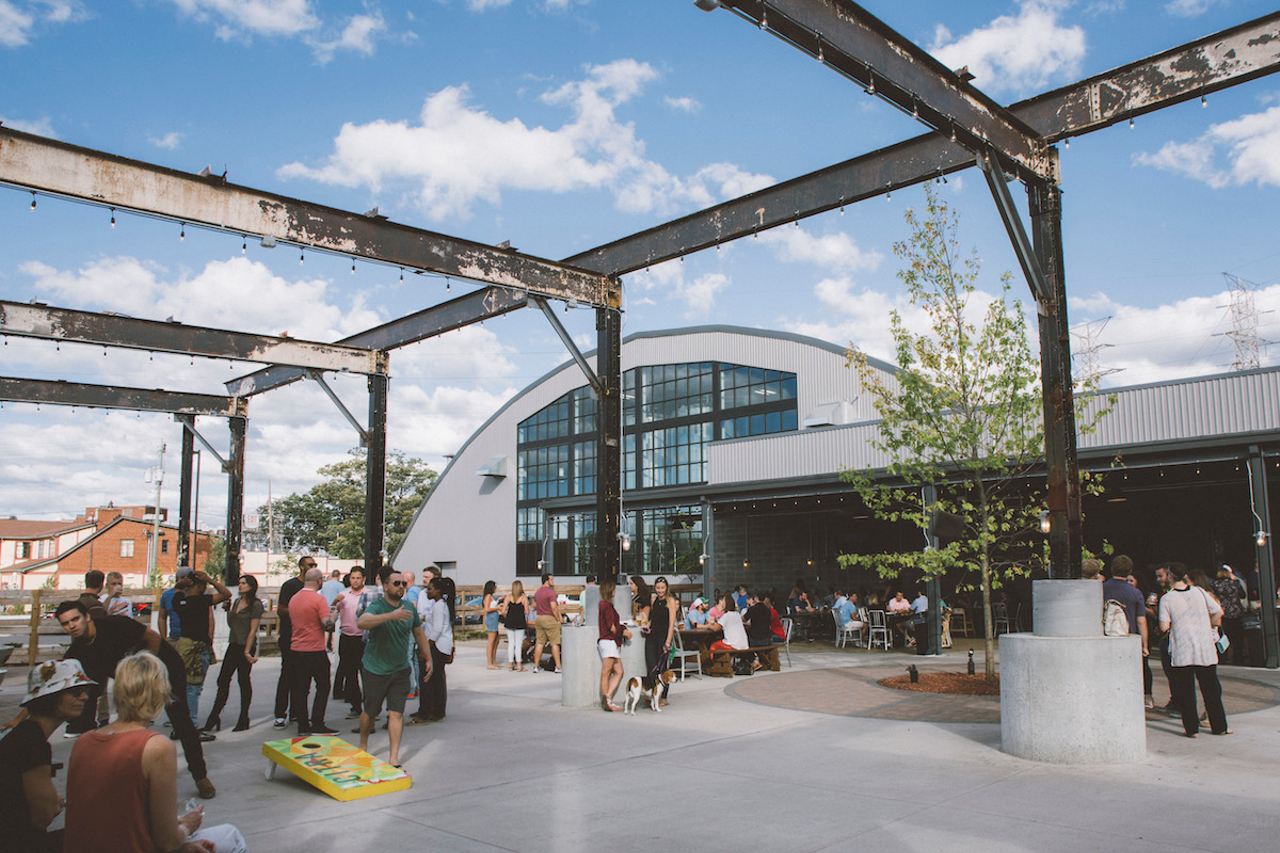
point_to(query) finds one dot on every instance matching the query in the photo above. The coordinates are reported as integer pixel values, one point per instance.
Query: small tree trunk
(988, 625)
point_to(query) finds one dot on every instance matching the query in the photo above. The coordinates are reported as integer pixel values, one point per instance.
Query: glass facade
(670, 413)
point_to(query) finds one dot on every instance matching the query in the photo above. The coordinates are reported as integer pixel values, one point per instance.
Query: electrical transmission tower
(1089, 334)
(1244, 322)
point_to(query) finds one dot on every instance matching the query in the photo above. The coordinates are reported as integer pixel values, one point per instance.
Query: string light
(244, 245)
(1066, 143)
(1204, 102)
(353, 266)
(113, 217)
(764, 18)
(447, 287)
(888, 192)
(1131, 125)
(182, 235)
(402, 275)
(33, 199)
(302, 257)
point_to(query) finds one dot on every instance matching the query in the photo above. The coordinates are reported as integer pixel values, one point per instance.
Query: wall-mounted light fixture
(1045, 525)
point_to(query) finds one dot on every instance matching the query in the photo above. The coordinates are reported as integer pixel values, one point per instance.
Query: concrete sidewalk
(723, 769)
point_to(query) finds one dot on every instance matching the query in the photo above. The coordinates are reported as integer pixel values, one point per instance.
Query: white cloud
(698, 295)
(169, 141)
(20, 18)
(40, 127)
(360, 35)
(1251, 145)
(1189, 8)
(860, 316)
(485, 5)
(232, 294)
(1184, 338)
(683, 105)
(458, 154)
(1015, 53)
(837, 252)
(241, 18)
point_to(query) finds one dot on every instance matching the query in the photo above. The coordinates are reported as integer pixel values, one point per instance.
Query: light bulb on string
(1204, 102)
(33, 199)
(447, 286)
(1131, 125)
(113, 217)
(244, 243)
(353, 267)
(871, 84)
(1066, 143)
(402, 275)
(764, 18)
(182, 235)
(302, 257)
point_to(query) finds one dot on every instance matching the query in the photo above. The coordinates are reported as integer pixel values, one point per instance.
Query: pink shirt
(307, 611)
(347, 615)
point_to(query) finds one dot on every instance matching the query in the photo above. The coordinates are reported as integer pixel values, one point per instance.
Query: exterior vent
(495, 467)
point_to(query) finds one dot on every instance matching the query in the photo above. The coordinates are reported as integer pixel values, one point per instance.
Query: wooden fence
(34, 617)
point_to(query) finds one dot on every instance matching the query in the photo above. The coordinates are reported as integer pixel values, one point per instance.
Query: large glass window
(670, 413)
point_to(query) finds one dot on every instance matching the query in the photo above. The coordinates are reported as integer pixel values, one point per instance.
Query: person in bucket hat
(56, 693)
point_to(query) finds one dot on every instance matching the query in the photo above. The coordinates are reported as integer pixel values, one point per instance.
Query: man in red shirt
(547, 623)
(309, 613)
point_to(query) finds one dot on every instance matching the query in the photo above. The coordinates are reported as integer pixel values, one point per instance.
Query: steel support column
(609, 442)
(376, 473)
(1261, 508)
(184, 490)
(933, 584)
(1045, 201)
(235, 498)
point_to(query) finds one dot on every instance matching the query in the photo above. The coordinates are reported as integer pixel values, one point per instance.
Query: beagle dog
(655, 685)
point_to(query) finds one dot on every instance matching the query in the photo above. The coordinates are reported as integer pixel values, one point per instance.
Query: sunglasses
(395, 583)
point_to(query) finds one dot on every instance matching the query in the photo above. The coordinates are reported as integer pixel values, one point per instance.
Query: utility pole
(153, 549)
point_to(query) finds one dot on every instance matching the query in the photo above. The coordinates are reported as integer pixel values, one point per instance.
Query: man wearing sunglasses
(390, 622)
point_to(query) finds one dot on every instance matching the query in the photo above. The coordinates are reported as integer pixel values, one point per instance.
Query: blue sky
(561, 125)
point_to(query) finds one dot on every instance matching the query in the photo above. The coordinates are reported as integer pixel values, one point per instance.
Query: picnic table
(700, 639)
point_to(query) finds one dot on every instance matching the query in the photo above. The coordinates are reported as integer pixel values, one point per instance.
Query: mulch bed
(956, 683)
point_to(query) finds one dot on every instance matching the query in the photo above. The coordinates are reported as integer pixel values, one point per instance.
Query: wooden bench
(722, 659)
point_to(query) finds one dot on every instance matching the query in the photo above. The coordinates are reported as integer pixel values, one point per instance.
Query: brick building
(106, 538)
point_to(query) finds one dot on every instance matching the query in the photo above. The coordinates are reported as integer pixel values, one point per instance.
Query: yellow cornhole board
(334, 766)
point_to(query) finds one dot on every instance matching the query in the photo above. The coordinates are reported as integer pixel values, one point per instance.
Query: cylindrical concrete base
(580, 687)
(1072, 700)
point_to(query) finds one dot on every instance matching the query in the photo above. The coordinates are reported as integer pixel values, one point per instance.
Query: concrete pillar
(1069, 694)
(580, 659)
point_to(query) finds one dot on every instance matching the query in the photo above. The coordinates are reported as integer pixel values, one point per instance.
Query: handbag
(1223, 643)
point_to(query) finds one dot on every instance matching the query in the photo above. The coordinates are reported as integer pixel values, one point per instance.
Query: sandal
(612, 707)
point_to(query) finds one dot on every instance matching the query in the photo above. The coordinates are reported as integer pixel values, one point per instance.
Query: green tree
(215, 565)
(964, 414)
(330, 516)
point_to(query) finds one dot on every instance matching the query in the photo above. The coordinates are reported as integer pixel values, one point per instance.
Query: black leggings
(433, 694)
(346, 683)
(234, 662)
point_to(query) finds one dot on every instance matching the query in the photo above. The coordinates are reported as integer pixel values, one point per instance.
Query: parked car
(472, 618)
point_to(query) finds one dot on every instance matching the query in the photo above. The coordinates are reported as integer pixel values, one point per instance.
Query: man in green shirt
(390, 622)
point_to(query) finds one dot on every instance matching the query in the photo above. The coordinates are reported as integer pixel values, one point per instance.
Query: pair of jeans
(346, 683)
(234, 663)
(308, 668)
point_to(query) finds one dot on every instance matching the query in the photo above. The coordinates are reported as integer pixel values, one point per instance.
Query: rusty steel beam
(470, 308)
(56, 168)
(1207, 65)
(114, 330)
(61, 393)
(854, 42)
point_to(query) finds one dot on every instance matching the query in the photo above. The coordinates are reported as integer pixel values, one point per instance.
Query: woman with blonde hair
(491, 608)
(122, 779)
(515, 618)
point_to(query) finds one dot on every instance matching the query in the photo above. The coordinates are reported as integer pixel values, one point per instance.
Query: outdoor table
(700, 639)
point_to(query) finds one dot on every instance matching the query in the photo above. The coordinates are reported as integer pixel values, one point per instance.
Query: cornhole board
(334, 766)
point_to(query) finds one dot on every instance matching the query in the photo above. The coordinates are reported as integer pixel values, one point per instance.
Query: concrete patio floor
(814, 758)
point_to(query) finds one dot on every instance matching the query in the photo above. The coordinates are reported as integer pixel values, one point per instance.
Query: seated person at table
(846, 613)
(779, 634)
(758, 624)
(730, 621)
(697, 615)
(919, 613)
(741, 598)
(800, 604)
(898, 606)
(716, 611)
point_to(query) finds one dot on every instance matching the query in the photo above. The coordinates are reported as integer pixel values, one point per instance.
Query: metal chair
(878, 627)
(681, 659)
(852, 629)
(1000, 618)
(786, 640)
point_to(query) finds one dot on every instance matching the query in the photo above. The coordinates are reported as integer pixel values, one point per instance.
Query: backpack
(1114, 621)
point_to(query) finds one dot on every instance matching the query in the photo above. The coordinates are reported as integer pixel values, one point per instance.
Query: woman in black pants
(664, 613)
(435, 690)
(243, 619)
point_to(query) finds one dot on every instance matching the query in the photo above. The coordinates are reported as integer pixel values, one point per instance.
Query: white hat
(55, 676)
